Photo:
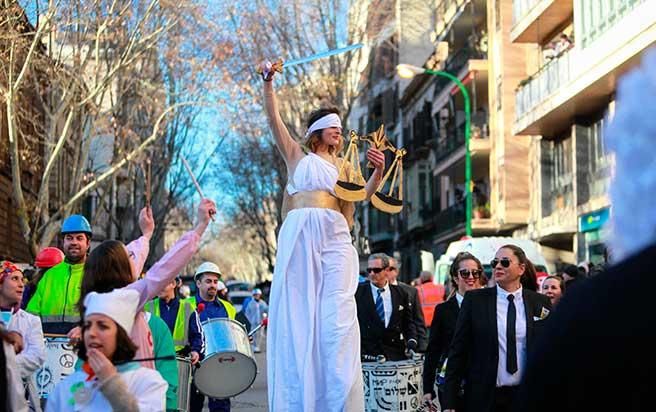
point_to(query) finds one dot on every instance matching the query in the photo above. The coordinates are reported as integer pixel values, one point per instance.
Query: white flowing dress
(313, 343)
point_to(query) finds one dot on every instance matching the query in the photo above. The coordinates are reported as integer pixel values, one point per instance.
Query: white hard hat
(221, 286)
(207, 267)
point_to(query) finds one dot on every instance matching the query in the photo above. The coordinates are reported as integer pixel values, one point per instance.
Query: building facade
(541, 77)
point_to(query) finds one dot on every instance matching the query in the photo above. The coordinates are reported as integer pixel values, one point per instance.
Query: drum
(60, 362)
(184, 383)
(229, 367)
(392, 386)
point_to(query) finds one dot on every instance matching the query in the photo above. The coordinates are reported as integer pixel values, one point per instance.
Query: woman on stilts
(313, 343)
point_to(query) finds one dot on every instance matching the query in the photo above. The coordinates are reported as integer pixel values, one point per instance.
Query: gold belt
(319, 199)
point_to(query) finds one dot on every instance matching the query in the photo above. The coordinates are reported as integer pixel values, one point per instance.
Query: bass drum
(392, 386)
(229, 367)
(60, 362)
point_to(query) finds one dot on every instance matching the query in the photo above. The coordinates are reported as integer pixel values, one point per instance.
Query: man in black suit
(386, 326)
(417, 314)
(496, 328)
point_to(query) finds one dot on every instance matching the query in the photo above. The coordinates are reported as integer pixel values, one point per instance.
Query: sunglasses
(375, 270)
(505, 262)
(465, 273)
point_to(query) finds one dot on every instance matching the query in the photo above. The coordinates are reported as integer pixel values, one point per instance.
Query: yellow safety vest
(181, 327)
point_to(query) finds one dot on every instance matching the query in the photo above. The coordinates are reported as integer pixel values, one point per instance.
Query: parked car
(238, 285)
(238, 297)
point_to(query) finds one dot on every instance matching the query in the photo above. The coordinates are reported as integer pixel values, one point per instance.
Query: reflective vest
(230, 310)
(429, 295)
(57, 294)
(181, 327)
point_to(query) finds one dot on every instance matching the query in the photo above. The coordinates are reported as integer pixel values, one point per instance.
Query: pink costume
(162, 272)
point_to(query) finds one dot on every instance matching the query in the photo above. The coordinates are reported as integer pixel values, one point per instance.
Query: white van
(484, 248)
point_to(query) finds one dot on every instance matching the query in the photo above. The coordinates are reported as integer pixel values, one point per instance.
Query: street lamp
(408, 71)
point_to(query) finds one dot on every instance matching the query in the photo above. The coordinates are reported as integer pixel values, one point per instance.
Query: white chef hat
(119, 304)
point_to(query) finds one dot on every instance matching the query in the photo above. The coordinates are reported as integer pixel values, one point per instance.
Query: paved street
(254, 399)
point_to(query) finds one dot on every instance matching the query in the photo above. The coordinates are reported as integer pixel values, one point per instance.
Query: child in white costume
(102, 385)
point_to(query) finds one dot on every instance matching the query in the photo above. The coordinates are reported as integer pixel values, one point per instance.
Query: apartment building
(575, 52)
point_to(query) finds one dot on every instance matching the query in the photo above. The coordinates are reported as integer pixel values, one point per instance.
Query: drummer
(175, 312)
(209, 306)
(28, 326)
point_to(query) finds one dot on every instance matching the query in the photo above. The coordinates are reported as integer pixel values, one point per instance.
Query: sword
(279, 65)
(323, 54)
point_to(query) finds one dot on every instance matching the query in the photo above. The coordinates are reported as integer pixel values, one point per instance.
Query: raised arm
(174, 261)
(288, 147)
(139, 248)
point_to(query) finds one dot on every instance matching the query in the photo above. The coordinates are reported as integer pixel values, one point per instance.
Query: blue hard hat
(76, 224)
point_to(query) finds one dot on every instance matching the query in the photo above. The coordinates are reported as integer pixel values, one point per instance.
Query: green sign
(594, 220)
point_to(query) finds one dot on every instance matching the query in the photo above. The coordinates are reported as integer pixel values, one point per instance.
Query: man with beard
(209, 306)
(56, 296)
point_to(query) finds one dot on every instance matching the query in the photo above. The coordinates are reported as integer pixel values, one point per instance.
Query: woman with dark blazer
(466, 274)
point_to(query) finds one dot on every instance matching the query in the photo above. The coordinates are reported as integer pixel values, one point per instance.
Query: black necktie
(511, 340)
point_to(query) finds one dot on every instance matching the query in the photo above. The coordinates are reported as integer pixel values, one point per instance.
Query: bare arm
(288, 147)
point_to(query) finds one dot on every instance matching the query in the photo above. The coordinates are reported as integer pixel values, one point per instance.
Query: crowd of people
(490, 344)
(130, 327)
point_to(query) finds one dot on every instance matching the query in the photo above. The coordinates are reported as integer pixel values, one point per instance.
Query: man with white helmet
(209, 306)
(58, 292)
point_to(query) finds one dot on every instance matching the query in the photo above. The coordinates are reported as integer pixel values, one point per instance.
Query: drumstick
(258, 327)
(148, 182)
(193, 179)
(156, 358)
(55, 335)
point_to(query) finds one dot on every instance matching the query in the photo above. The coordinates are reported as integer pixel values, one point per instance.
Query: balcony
(598, 16)
(542, 85)
(535, 20)
(581, 81)
(558, 209)
(451, 150)
(449, 218)
(451, 14)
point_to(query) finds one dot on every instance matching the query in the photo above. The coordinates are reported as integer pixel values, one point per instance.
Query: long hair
(125, 348)
(529, 279)
(107, 268)
(314, 139)
(453, 270)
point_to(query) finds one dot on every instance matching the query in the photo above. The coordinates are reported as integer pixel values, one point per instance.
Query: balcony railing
(599, 16)
(456, 61)
(543, 84)
(450, 217)
(521, 8)
(456, 139)
(561, 197)
(599, 181)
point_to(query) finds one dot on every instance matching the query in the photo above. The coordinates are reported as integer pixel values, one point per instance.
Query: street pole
(468, 167)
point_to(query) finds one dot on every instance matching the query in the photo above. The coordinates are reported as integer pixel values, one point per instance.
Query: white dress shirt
(387, 300)
(503, 377)
(459, 299)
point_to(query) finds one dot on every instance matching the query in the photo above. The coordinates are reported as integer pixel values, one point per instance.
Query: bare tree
(96, 69)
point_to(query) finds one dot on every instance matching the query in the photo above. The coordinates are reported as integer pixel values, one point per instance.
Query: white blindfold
(329, 120)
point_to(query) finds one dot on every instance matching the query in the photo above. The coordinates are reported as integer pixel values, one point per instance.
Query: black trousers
(197, 399)
(504, 398)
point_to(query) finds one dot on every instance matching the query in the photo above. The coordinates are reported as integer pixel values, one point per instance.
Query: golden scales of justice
(350, 184)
